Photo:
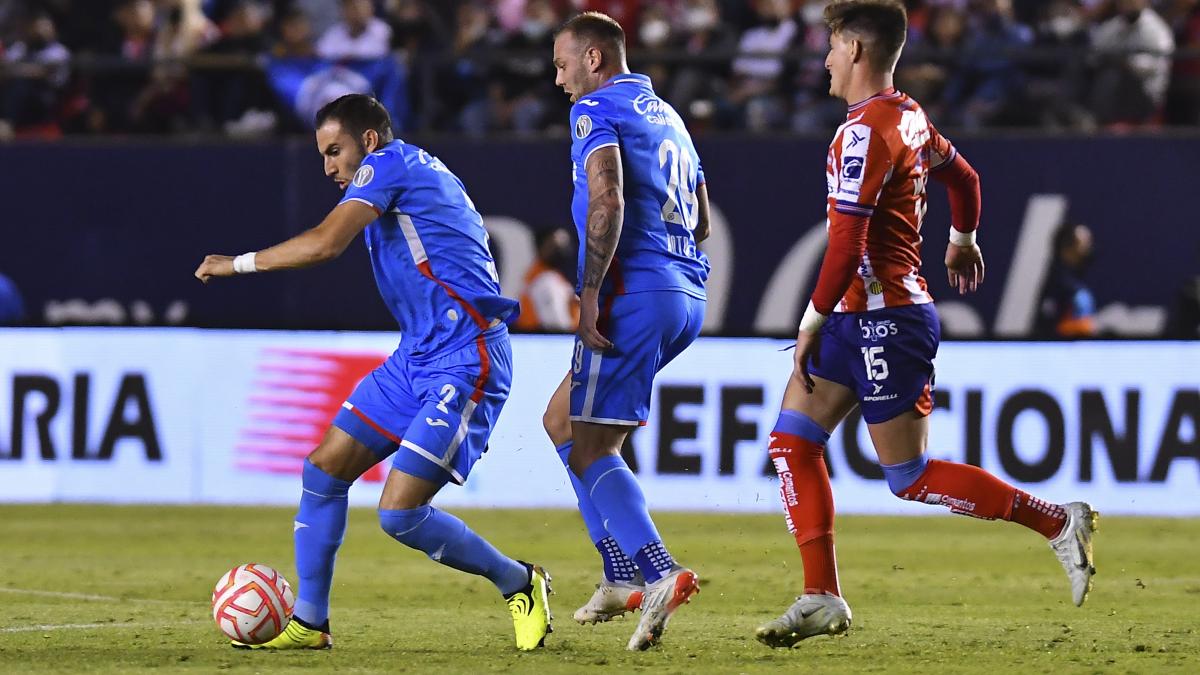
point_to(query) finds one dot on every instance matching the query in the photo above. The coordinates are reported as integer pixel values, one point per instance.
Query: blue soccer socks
(617, 565)
(618, 498)
(319, 528)
(448, 540)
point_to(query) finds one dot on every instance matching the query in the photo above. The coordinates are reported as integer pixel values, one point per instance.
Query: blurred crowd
(471, 67)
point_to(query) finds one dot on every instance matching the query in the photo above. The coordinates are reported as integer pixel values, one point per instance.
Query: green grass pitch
(119, 589)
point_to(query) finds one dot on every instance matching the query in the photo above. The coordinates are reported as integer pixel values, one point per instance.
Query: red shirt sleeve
(861, 166)
(847, 243)
(951, 169)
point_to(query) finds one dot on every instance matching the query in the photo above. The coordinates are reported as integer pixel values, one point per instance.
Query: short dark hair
(357, 113)
(883, 22)
(596, 28)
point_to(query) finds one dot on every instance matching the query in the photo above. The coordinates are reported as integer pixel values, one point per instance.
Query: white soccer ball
(252, 603)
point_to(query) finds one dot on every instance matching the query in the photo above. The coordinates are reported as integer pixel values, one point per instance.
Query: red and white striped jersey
(878, 165)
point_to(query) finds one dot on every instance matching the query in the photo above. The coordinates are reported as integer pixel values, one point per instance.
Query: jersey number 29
(680, 207)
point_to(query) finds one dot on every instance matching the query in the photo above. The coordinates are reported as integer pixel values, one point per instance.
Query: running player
(871, 331)
(640, 206)
(434, 402)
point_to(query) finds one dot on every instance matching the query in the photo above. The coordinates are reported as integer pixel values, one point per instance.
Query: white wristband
(244, 263)
(813, 320)
(959, 238)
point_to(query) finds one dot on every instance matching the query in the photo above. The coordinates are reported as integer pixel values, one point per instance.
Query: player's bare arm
(311, 247)
(703, 229)
(606, 212)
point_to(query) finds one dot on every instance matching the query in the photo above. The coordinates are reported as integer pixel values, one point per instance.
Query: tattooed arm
(606, 211)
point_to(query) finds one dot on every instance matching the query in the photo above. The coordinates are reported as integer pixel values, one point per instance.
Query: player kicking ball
(871, 332)
(640, 207)
(434, 402)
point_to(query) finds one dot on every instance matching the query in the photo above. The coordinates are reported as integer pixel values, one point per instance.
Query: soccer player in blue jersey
(434, 402)
(640, 206)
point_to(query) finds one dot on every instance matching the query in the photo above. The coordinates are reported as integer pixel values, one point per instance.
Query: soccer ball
(252, 603)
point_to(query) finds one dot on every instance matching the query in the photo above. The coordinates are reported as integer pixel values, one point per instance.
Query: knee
(557, 424)
(342, 457)
(402, 524)
(583, 457)
(901, 477)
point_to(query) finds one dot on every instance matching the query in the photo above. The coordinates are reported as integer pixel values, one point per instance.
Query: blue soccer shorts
(648, 330)
(885, 356)
(437, 415)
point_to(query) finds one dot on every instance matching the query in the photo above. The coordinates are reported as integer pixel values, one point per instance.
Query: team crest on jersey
(583, 126)
(363, 176)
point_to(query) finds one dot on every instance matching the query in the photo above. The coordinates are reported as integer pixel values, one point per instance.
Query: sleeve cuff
(959, 238)
(378, 210)
(813, 320)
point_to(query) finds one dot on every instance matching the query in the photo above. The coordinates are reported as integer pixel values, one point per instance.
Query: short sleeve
(593, 126)
(377, 181)
(864, 165)
(941, 150)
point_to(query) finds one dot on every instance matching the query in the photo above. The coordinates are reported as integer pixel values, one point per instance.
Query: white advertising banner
(193, 416)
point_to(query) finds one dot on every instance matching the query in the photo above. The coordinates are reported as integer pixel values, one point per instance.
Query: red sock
(808, 505)
(971, 491)
(1038, 515)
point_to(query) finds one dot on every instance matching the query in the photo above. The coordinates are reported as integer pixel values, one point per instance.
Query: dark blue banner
(110, 233)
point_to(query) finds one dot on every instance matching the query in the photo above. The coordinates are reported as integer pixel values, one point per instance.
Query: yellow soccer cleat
(294, 636)
(530, 609)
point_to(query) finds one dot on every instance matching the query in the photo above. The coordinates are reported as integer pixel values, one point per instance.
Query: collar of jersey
(890, 92)
(628, 77)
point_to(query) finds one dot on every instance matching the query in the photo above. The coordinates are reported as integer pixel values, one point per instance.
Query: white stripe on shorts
(593, 376)
(605, 420)
(461, 433)
(433, 458)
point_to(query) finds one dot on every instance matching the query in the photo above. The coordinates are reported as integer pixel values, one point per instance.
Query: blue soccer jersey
(657, 250)
(428, 250)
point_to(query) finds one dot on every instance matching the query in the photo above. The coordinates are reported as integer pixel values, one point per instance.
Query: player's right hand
(808, 345)
(215, 266)
(589, 315)
(964, 267)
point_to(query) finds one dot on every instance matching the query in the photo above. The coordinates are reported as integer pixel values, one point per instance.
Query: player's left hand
(215, 266)
(589, 315)
(808, 345)
(964, 267)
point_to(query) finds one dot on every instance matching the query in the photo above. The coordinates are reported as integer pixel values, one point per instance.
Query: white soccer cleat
(611, 599)
(810, 615)
(1073, 546)
(659, 602)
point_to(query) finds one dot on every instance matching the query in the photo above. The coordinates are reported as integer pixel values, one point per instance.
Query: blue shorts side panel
(435, 416)
(648, 330)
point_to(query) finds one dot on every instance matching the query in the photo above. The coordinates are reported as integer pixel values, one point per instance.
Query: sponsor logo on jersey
(856, 139)
(852, 168)
(583, 127)
(363, 176)
(914, 128)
